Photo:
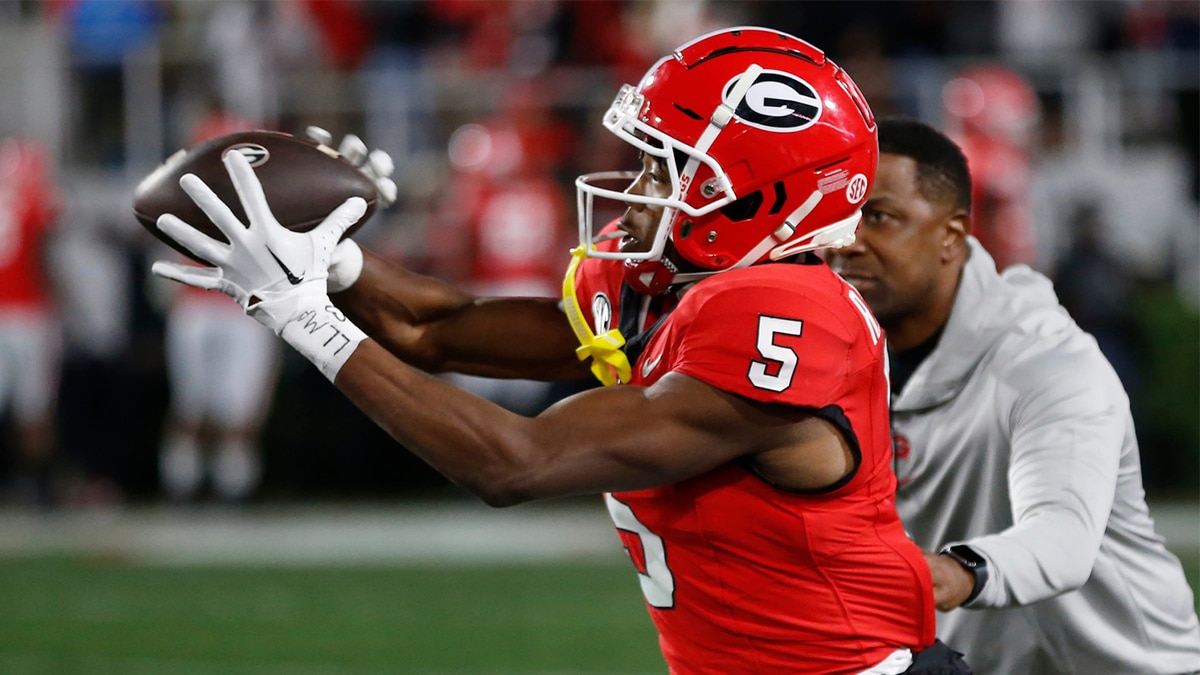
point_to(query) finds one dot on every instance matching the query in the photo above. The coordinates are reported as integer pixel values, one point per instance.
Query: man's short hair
(942, 173)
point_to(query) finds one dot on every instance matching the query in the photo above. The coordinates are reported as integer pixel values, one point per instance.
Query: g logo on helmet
(255, 153)
(777, 101)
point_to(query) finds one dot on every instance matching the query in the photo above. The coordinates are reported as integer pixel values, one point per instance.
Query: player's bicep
(628, 438)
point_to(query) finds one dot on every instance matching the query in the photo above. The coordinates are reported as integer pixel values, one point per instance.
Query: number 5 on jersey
(776, 371)
(778, 367)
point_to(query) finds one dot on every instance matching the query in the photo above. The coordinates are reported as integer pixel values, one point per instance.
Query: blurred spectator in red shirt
(992, 113)
(222, 368)
(30, 334)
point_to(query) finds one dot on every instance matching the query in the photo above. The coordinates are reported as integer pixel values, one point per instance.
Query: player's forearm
(595, 441)
(501, 457)
(438, 328)
(396, 306)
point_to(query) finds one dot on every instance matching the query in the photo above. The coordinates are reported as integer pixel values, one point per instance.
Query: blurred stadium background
(352, 557)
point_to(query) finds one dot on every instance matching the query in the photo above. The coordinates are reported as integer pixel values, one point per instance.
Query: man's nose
(636, 188)
(855, 248)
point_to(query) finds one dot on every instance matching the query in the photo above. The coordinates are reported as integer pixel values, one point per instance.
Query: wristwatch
(972, 562)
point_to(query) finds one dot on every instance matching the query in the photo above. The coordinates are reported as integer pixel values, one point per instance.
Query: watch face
(968, 555)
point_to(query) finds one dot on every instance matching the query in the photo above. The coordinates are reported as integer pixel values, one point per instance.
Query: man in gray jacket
(1015, 449)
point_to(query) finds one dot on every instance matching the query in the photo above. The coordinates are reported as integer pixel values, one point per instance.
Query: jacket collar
(986, 306)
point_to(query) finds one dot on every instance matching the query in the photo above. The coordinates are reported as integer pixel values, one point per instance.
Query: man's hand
(268, 269)
(375, 164)
(952, 584)
(378, 166)
(276, 275)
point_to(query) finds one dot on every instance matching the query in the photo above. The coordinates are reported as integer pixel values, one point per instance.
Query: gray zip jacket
(1014, 436)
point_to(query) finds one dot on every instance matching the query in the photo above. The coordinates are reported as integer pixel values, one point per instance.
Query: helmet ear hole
(744, 208)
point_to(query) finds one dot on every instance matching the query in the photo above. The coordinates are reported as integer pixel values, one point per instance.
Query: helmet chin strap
(774, 241)
(651, 277)
(609, 363)
(835, 235)
(776, 246)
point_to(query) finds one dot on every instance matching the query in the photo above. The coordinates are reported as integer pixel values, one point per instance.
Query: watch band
(972, 562)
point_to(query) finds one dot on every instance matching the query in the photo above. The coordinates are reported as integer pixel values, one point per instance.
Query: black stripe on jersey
(628, 323)
(834, 415)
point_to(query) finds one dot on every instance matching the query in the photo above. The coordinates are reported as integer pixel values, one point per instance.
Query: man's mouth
(630, 244)
(859, 280)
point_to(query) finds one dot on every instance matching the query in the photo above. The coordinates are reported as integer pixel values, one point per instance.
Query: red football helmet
(771, 149)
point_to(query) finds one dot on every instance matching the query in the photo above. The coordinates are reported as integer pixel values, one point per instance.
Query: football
(303, 181)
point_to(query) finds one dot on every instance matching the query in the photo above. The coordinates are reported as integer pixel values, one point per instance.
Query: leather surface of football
(302, 180)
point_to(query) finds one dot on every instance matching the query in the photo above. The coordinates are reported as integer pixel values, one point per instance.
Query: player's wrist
(321, 333)
(345, 266)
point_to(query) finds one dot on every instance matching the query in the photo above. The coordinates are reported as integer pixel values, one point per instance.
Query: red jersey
(740, 576)
(29, 203)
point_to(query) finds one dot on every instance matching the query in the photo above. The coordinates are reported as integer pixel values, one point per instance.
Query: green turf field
(100, 617)
(427, 589)
(105, 617)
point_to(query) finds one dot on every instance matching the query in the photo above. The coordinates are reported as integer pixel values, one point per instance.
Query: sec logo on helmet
(777, 101)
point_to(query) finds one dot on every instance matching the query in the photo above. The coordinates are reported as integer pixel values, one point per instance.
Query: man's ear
(954, 235)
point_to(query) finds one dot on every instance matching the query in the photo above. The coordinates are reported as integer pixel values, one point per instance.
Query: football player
(992, 113)
(744, 453)
(30, 334)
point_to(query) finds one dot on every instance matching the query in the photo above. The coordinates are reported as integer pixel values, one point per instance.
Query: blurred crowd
(1079, 120)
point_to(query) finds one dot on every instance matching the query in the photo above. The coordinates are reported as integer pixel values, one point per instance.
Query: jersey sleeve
(769, 344)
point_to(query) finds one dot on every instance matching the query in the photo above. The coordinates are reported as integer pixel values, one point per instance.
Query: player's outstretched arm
(437, 327)
(606, 439)
(615, 438)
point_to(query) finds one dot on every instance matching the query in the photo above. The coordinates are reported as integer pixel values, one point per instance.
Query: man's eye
(871, 216)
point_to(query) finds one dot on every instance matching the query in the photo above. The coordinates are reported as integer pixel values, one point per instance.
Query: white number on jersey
(868, 318)
(658, 584)
(872, 328)
(779, 358)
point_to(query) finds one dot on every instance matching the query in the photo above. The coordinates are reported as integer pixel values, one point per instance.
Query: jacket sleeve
(1068, 422)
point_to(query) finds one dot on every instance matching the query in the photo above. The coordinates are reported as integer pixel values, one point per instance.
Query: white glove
(376, 164)
(347, 261)
(276, 275)
(345, 266)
